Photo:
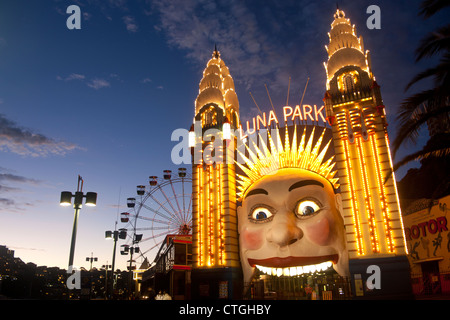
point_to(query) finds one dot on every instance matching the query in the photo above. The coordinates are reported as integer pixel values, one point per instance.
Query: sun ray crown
(274, 156)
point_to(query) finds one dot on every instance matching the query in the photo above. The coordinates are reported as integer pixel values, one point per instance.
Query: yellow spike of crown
(304, 156)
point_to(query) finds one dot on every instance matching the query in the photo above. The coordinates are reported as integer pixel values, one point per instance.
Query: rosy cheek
(252, 240)
(319, 231)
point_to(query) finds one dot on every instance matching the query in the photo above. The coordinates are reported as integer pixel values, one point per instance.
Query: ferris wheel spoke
(153, 247)
(175, 196)
(184, 198)
(156, 228)
(162, 206)
(170, 203)
(171, 218)
(153, 219)
(157, 235)
(188, 212)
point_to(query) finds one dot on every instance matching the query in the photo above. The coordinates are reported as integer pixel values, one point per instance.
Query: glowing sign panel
(303, 113)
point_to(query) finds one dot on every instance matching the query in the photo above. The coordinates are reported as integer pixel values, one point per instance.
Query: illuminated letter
(74, 21)
(297, 113)
(259, 119)
(287, 114)
(248, 127)
(374, 281)
(272, 116)
(374, 21)
(307, 113)
(319, 112)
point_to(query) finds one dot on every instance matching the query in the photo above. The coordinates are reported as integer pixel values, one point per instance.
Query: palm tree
(416, 110)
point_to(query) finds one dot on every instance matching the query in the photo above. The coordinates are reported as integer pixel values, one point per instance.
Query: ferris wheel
(161, 208)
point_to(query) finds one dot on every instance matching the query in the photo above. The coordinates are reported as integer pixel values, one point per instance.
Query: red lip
(287, 262)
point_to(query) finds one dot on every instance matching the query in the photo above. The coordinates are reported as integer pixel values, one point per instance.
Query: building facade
(216, 265)
(356, 113)
(428, 241)
(355, 110)
(373, 225)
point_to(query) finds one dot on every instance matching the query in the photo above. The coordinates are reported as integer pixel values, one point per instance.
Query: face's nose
(284, 231)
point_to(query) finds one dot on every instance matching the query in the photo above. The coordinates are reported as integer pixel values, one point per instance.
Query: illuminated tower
(216, 266)
(355, 110)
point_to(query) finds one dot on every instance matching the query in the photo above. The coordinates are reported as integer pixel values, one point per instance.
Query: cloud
(87, 16)
(10, 203)
(95, 83)
(73, 76)
(4, 189)
(27, 143)
(7, 202)
(130, 23)
(15, 178)
(98, 83)
(267, 42)
(251, 40)
(25, 248)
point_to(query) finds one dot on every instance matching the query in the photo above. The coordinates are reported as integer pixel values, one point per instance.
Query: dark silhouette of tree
(434, 103)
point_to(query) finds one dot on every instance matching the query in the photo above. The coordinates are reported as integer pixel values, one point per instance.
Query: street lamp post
(115, 235)
(66, 200)
(91, 259)
(106, 266)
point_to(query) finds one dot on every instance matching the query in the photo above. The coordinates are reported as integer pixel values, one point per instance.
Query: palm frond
(411, 123)
(423, 75)
(436, 41)
(440, 149)
(430, 7)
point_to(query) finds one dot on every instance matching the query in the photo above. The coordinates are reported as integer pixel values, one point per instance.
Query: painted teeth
(295, 271)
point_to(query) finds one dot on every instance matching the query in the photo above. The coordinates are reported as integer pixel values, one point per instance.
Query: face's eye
(306, 208)
(260, 214)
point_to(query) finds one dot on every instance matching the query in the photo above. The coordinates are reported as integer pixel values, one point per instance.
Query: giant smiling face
(291, 219)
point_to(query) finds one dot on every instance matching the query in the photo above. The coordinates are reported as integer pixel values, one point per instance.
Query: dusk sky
(103, 101)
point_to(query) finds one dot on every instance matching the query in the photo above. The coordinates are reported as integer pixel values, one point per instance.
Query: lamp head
(91, 199)
(66, 198)
(226, 128)
(191, 137)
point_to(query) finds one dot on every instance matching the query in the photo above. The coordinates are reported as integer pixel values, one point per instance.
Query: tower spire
(216, 53)
(345, 47)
